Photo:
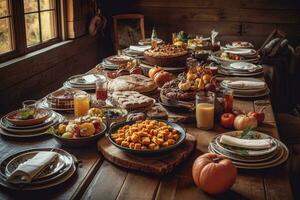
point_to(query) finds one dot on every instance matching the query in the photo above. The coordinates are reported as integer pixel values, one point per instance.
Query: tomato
(227, 120)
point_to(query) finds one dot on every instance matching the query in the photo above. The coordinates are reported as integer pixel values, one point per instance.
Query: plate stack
(253, 150)
(227, 56)
(246, 87)
(113, 62)
(240, 69)
(37, 169)
(83, 81)
(60, 100)
(136, 51)
(11, 129)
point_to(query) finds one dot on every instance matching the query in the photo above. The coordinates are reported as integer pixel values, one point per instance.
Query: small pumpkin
(160, 78)
(242, 122)
(153, 71)
(213, 173)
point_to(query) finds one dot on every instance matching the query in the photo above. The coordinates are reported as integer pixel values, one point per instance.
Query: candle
(81, 104)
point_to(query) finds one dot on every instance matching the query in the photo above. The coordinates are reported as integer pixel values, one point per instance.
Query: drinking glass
(29, 104)
(101, 89)
(228, 100)
(81, 104)
(205, 108)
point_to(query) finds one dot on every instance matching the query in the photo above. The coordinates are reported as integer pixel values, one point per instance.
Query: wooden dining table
(97, 178)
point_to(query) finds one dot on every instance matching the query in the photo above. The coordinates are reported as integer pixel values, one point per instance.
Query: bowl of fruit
(81, 131)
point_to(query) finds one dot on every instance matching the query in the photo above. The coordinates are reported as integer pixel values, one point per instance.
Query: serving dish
(115, 127)
(37, 116)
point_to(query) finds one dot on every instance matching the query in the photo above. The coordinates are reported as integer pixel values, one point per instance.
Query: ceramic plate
(24, 131)
(7, 124)
(246, 152)
(85, 79)
(68, 85)
(241, 51)
(225, 83)
(234, 73)
(246, 159)
(48, 171)
(64, 174)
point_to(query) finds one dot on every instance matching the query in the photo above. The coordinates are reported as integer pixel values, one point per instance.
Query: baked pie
(119, 59)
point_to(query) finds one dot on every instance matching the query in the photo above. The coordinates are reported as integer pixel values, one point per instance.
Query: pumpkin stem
(216, 160)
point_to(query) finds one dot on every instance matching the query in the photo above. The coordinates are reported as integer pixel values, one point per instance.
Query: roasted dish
(146, 135)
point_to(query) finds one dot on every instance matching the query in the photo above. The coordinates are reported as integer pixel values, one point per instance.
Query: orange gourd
(213, 173)
(160, 78)
(153, 71)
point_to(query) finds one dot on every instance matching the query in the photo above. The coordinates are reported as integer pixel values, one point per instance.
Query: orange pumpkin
(153, 71)
(214, 173)
(160, 78)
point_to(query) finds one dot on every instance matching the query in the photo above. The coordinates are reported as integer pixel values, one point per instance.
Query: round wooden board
(156, 164)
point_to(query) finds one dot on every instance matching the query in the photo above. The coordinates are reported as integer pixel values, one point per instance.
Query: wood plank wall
(34, 76)
(234, 19)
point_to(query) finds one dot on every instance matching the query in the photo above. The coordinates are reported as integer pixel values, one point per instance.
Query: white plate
(244, 66)
(232, 79)
(246, 152)
(253, 95)
(244, 91)
(87, 79)
(68, 85)
(241, 51)
(233, 73)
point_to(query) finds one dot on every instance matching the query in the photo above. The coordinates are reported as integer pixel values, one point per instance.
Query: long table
(96, 178)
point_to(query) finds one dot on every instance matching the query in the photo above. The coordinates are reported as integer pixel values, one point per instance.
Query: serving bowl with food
(146, 137)
(81, 131)
(109, 114)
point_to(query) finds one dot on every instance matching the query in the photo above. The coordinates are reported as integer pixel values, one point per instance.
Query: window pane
(5, 35)
(48, 24)
(30, 5)
(3, 8)
(46, 4)
(32, 29)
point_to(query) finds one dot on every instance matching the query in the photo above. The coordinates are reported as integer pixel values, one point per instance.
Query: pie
(132, 100)
(166, 55)
(133, 82)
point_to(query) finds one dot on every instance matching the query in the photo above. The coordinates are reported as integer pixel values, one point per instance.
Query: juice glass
(205, 108)
(101, 89)
(81, 104)
(228, 100)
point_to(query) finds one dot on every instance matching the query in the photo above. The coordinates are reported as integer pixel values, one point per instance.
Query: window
(6, 43)
(28, 25)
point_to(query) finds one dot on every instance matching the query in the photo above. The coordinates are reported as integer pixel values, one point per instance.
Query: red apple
(227, 120)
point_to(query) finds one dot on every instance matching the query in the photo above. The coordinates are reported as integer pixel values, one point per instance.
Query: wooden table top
(96, 178)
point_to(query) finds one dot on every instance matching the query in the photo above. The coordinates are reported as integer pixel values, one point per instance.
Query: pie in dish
(133, 82)
(166, 55)
(132, 100)
(119, 59)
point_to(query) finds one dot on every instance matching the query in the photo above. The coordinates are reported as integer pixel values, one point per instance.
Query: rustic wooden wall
(35, 75)
(235, 19)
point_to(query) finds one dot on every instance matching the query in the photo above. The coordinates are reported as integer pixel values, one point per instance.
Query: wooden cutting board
(156, 164)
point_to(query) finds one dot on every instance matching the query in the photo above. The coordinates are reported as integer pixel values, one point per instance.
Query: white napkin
(245, 66)
(139, 48)
(243, 84)
(29, 169)
(244, 143)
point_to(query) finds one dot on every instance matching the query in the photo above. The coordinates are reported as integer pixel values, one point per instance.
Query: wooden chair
(127, 29)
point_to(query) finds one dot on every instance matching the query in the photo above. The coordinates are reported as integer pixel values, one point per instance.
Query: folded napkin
(139, 48)
(29, 169)
(245, 66)
(246, 84)
(245, 143)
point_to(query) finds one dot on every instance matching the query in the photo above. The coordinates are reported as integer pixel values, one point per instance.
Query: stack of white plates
(83, 81)
(11, 130)
(57, 172)
(246, 87)
(250, 158)
(240, 69)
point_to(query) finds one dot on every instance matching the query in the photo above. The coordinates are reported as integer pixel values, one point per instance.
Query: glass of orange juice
(81, 104)
(205, 108)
